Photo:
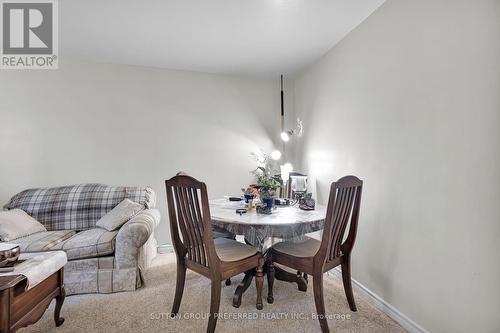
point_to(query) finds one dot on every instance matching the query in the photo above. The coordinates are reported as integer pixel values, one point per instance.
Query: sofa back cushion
(76, 207)
(119, 215)
(16, 223)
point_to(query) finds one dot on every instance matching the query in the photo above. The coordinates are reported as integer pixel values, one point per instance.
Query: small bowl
(8, 257)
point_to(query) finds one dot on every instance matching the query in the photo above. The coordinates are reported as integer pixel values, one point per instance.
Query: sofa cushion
(16, 223)
(43, 241)
(91, 243)
(76, 207)
(122, 212)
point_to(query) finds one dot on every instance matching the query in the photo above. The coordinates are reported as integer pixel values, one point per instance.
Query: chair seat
(307, 248)
(231, 250)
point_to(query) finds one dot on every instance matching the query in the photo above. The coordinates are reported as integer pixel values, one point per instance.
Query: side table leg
(5, 310)
(59, 303)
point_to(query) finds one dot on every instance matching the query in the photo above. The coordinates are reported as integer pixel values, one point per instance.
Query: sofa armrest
(134, 234)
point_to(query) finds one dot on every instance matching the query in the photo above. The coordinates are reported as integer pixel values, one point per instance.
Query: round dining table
(285, 223)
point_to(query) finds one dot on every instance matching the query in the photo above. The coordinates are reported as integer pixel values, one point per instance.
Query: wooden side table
(20, 307)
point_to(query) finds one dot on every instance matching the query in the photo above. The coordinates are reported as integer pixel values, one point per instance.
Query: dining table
(284, 223)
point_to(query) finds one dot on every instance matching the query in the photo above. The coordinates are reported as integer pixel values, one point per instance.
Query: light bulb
(285, 137)
(276, 155)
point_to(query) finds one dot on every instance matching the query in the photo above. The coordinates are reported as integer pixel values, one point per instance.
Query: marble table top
(261, 230)
(224, 211)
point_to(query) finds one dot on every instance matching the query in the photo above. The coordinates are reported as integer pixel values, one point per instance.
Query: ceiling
(263, 37)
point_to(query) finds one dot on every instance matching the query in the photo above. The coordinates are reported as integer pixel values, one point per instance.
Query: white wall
(410, 102)
(125, 125)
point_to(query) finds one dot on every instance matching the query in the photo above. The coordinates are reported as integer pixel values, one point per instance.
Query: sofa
(99, 261)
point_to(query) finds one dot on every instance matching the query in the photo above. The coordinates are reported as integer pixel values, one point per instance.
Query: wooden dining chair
(196, 249)
(216, 231)
(316, 257)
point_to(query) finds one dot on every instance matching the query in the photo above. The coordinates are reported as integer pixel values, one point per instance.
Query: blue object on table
(248, 197)
(268, 202)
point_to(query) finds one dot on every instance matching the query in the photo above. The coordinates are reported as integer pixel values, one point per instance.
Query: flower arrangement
(266, 175)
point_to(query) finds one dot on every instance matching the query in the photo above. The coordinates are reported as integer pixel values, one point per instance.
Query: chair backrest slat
(187, 235)
(339, 205)
(343, 209)
(191, 224)
(186, 239)
(343, 218)
(186, 198)
(197, 216)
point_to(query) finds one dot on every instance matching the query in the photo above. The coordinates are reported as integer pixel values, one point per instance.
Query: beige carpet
(147, 309)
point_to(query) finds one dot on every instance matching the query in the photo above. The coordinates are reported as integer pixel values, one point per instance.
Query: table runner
(38, 266)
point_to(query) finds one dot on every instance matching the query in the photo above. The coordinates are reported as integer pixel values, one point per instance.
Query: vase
(268, 202)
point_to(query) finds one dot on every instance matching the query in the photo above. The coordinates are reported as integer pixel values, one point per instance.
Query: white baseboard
(383, 306)
(370, 296)
(165, 248)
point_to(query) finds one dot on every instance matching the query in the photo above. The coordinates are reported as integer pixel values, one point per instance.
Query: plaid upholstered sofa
(99, 261)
